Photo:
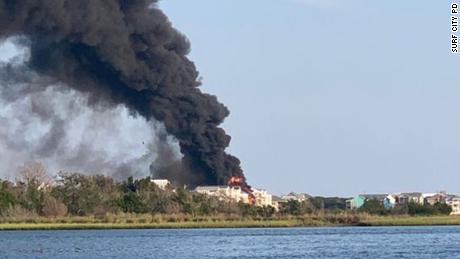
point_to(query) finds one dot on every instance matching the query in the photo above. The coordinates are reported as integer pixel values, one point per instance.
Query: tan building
(263, 198)
(405, 198)
(277, 202)
(454, 203)
(234, 193)
(433, 198)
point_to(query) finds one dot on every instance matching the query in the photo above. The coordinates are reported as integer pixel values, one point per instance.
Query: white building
(389, 202)
(276, 202)
(294, 196)
(233, 193)
(161, 183)
(454, 203)
(405, 198)
(263, 198)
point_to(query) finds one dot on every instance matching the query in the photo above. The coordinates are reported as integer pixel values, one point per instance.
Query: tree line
(376, 207)
(74, 194)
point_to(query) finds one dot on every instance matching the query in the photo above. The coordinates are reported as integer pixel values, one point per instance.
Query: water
(337, 242)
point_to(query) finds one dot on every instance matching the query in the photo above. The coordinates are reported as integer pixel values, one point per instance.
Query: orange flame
(252, 198)
(238, 181)
(235, 181)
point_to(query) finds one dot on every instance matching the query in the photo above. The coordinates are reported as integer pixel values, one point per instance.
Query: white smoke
(43, 121)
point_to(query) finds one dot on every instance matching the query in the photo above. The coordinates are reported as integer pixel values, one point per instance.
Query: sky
(331, 97)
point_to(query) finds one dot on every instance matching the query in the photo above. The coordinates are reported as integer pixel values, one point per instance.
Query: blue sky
(332, 97)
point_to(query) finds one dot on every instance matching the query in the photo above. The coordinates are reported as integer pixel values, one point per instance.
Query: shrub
(373, 206)
(53, 207)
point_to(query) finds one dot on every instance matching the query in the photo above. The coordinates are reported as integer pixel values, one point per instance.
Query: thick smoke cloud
(44, 122)
(125, 52)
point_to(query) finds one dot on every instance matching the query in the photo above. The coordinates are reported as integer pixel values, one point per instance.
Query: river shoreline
(323, 221)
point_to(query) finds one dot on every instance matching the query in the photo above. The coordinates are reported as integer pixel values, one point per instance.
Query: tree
(7, 200)
(53, 207)
(442, 208)
(428, 210)
(295, 207)
(33, 197)
(265, 211)
(247, 210)
(33, 173)
(325, 203)
(83, 194)
(130, 202)
(373, 206)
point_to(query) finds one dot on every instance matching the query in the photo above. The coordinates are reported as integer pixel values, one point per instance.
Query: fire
(252, 199)
(235, 181)
(238, 181)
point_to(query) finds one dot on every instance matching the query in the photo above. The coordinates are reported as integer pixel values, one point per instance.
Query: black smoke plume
(127, 52)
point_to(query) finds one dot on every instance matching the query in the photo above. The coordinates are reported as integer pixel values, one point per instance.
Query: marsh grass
(144, 221)
(410, 220)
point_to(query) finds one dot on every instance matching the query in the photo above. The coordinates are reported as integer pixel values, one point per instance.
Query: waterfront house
(454, 202)
(224, 192)
(297, 197)
(277, 202)
(263, 198)
(405, 198)
(389, 202)
(355, 202)
(434, 198)
(377, 197)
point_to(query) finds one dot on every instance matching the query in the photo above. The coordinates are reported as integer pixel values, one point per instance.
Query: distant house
(355, 202)
(277, 202)
(224, 192)
(454, 202)
(405, 198)
(377, 197)
(297, 197)
(434, 198)
(161, 183)
(388, 201)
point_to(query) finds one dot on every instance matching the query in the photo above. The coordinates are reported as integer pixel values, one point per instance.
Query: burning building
(262, 197)
(238, 192)
(239, 182)
(224, 192)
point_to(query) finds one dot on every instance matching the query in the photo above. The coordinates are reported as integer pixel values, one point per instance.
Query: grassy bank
(412, 221)
(165, 225)
(128, 221)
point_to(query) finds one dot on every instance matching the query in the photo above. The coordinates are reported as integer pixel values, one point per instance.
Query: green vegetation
(375, 207)
(140, 221)
(77, 201)
(429, 210)
(75, 195)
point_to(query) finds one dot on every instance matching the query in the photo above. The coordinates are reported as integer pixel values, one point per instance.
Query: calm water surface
(342, 242)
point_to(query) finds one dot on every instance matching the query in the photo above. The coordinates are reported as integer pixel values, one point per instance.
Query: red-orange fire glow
(238, 181)
(235, 181)
(252, 199)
